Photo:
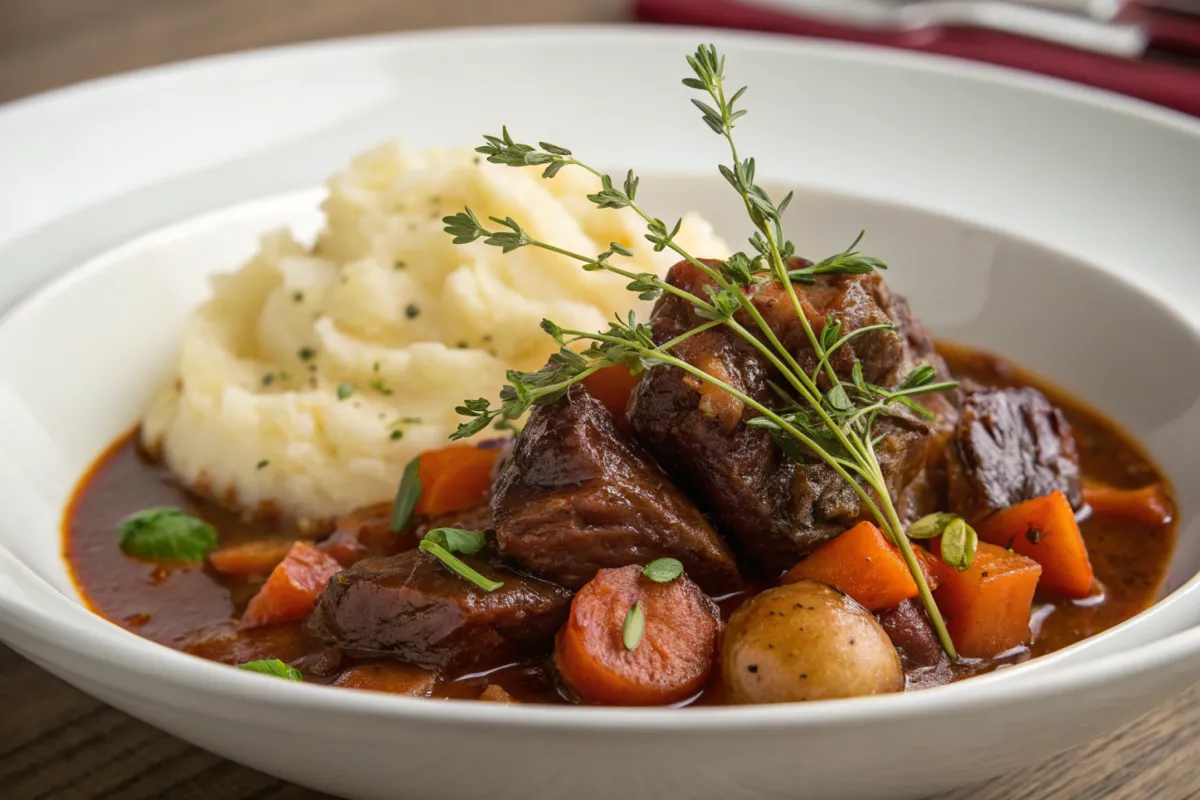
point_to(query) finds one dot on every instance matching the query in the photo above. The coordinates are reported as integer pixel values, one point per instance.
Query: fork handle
(1166, 84)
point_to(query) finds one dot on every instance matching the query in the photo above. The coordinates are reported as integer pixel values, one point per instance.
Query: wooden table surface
(55, 741)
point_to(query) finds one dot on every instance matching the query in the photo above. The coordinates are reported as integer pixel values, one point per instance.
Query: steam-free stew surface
(196, 609)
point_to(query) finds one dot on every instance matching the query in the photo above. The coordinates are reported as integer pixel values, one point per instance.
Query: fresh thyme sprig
(820, 417)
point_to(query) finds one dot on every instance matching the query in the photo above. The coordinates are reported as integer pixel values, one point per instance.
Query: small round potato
(806, 641)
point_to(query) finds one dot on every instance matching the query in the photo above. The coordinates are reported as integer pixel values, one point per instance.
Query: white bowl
(975, 184)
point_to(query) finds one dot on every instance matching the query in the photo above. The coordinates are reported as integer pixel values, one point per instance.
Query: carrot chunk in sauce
(251, 558)
(613, 386)
(987, 605)
(1045, 530)
(293, 588)
(1148, 506)
(665, 660)
(455, 478)
(863, 564)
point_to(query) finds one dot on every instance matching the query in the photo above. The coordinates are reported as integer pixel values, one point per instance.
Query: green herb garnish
(822, 417)
(377, 382)
(457, 540)
(407, 495)
(305, 353)
(412, 310)
(663, 570)
(167, 534)
(344, 390)
(297, 297)
(959, 542)
(273, 667)
(442, 543)
(634, 627)
(930, 526)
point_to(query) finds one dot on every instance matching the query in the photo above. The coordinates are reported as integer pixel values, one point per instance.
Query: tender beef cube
(909, 628)
(772, 509)
(1009, 445)
(412, 608)
(368, 531)
(857, 301)
(578, 495)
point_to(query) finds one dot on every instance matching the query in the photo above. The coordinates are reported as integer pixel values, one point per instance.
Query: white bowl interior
(81, 359)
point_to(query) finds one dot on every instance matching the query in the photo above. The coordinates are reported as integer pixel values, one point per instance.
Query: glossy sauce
(1129, 559)
(194, 608)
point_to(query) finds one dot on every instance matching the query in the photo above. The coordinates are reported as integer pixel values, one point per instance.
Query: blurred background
(1145, 48)
(45, 44)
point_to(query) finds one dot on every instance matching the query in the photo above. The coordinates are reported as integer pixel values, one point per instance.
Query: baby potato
(806, 641)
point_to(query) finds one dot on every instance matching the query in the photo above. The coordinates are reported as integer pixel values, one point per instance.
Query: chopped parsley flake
(306, 353)
(344, 390)
(413, 310)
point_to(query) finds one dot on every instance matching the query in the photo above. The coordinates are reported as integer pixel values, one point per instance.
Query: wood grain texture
(45, 44)
(55, 741)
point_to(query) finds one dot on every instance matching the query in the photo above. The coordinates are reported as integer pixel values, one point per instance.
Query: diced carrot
(1148, 506)
(670, 661)
(293, 587)
(863, 564)
(1045, 530)
(613, 387)
(455, 478)
(929, 566)
(250, 558)
(987, 605)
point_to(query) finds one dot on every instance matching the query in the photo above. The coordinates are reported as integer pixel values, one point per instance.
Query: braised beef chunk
(772, 509)
(857, 301)
(908, 627)
(578, 495)
(1009, 445)
(412, 608)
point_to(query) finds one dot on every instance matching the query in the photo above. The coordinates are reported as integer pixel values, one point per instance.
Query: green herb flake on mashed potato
(262, 361)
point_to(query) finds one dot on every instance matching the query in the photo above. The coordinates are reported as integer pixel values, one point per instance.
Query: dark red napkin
(1174, 85)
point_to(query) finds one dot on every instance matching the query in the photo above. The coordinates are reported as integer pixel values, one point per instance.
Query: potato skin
(806, 641)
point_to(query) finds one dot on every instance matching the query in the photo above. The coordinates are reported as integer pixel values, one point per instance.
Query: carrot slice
(1045, 530)
(669, 663)
(987, 606)
(1148, 506)
(454, 478)
(251, 558)
(613, 386)
(863, 564)
(291, 591)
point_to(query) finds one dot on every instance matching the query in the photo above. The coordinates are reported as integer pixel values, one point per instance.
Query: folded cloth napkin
(1174, 85)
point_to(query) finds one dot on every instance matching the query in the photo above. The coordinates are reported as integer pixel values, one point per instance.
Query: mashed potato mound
(312, 376)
